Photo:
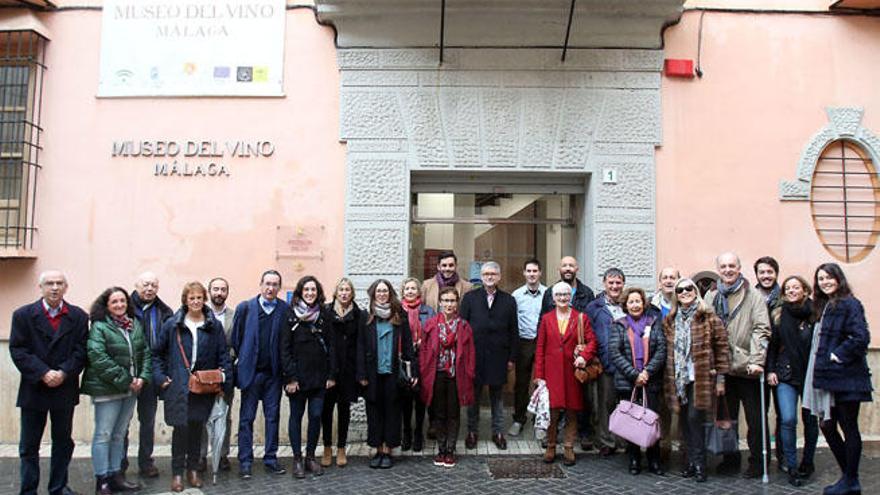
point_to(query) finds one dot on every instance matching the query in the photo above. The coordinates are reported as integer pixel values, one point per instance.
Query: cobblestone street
(417, 474)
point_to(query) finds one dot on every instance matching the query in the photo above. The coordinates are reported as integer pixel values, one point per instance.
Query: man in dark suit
(256, 337)
(492, 315)
(48, 346)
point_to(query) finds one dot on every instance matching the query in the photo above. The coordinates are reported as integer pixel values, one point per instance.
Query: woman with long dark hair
(309, 363)
(117, 370)
(787, 360)
(191, 340)
(384, 345)
(419, 313)
(344, 315)
(838, 379)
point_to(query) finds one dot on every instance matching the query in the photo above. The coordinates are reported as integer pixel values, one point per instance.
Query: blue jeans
(147, 403)
(265, 388)
(315, 399)
(111, 425)
(787, 396)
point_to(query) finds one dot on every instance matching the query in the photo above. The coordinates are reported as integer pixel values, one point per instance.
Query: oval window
(845, 201)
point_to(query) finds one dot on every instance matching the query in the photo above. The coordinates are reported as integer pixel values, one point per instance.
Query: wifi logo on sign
(124, 75)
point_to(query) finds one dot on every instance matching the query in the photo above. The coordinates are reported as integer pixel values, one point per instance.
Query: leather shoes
(225, 465)
(69, 491)
(376, 460)
(606, 451)
(550, 454)
(313, 466)
(118, 483)
(635, 466)
(192, 477)
(568, 457)
(385, 462)
(470, 441)
(700, 474)
(149, 471)
(177, 483)
(102, 486)
(245, 473)
(688, 472)
(499, 440)
(655, 469)
(586, 445)
(299, 470)
(203, 465)
(752, 472)
(274, 468)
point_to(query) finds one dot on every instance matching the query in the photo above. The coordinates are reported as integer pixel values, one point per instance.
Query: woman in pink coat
(556, 355)
(447, 366)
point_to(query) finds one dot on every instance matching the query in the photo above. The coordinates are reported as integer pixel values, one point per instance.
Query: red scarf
(447, 333)
(415, 323)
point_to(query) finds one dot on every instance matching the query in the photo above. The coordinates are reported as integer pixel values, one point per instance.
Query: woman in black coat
(637, 346)
(191, 340)
(840, 368)
(309, 364)
(384, 342)
(787, 360)
(344, 316)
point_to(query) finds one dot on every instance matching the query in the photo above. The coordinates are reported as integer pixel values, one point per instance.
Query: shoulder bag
(202, 382)
(721, 434)
(593, 369)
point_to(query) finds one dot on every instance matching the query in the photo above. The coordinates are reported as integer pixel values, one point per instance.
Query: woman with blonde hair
(418, 313)
(697, 357)
(345, 318)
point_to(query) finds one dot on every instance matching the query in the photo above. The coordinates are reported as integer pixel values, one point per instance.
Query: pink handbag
(635, 422)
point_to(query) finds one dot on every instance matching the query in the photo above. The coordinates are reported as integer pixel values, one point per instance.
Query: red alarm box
(679, 67)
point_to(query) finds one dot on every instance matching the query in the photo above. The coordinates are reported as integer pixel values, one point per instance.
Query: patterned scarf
(446, 334)
(415, 323)
(123, 322)
(722, 309)
(446, 282)
(305, 312)
(682, 350)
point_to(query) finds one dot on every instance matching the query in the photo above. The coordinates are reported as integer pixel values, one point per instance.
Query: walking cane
(765, 479)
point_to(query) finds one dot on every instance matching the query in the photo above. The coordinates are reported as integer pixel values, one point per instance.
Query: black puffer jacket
(307, 351)
(620, 352)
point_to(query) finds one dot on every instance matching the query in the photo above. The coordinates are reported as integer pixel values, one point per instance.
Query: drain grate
(518, 469)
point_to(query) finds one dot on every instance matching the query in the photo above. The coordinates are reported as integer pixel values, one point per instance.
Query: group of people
(430, 351)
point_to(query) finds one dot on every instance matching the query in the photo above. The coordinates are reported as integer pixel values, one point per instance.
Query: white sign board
(192, 48)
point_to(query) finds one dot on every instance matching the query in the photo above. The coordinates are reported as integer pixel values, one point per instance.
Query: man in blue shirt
(528, 305)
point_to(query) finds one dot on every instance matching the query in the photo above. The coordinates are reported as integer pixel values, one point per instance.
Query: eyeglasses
(449, 301)
(686, 288)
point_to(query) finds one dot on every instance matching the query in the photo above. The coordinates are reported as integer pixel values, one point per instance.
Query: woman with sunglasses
(697, 357)
(838, 378)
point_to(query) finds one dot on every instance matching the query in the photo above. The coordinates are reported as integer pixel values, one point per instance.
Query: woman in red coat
(556, 355)
(447, 366)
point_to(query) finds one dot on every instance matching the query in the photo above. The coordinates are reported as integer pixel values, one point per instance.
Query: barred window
(845, 201)
(21, 80)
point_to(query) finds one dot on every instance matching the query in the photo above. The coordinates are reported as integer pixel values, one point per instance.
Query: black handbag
(404, 370)
(722, 435)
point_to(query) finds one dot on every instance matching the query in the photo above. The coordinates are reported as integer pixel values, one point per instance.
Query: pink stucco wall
(730, 137)
(104, 220)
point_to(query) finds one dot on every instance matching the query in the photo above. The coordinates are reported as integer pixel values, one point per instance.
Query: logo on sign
(221, 72)
(124, 75)
(189, 68)
(244, 74)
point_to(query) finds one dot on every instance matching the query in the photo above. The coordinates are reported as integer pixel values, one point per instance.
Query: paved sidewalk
(417, 474)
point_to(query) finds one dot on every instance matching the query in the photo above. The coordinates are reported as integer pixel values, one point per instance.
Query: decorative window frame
(843, 123)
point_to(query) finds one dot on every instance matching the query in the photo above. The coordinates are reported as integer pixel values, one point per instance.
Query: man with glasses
(151, 312)
(256, 345)
(492, 315)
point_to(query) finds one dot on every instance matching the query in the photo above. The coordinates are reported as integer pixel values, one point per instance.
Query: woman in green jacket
(118, 368)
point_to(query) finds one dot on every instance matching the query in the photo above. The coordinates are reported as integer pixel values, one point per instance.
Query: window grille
(845, 201)
(22, 65)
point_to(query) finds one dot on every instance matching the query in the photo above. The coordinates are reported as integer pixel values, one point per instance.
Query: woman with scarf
(384, 346)
(697, 357)
(557, 353)
(838, 379)
(344, 317)
(191, 340)
(447, 365)
(637, 347)
(787, 360)
(118, 368)
(418, 314)
(309, 363)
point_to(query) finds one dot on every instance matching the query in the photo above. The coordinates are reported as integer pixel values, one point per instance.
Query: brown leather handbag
(201, 382)
(593, 369)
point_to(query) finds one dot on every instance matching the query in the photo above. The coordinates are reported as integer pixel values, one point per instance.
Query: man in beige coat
(447, 275)
(744, 313)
